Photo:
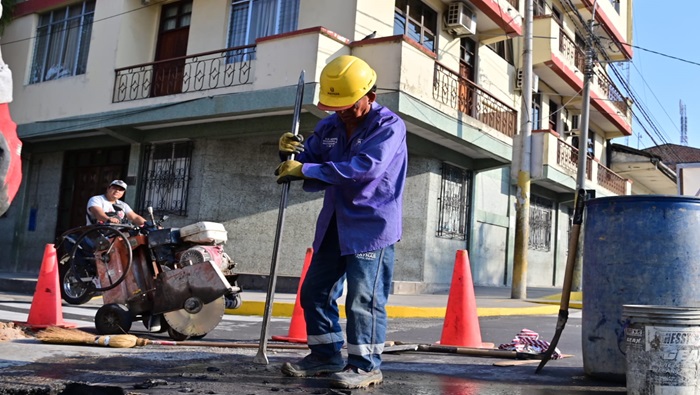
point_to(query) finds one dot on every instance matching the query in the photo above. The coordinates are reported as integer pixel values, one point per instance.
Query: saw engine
(200, 254)
(178, 280)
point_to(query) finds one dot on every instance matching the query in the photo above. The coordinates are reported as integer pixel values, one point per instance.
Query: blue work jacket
(363, 177)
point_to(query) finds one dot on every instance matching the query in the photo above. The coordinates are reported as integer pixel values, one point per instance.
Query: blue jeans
(368, 277)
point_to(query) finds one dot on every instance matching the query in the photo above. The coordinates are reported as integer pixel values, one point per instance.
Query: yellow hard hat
(344, 81)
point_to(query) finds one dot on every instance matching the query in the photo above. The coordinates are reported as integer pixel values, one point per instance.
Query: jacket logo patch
(330, 141)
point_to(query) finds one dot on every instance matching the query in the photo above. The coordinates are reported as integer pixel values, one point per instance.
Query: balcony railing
(193, 73)
(465, 96)
(571, 51)
(610, 91)
(611, 181)
(567, 158)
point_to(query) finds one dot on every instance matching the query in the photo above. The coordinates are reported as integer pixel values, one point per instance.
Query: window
(166, 177)
(467, 54)
(175, 16)
(454, 202)
(62, 42)
(504, 49)
(553, 116)
(417, 21)
(540, 224)
(574, 121)
(536, 111)
(252, 19)
(539, 7)
(557, 16)
(590, 149)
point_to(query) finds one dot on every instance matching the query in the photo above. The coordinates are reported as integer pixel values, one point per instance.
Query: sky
(659, 82)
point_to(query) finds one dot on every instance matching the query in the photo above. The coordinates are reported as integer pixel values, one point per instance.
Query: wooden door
(171, 48)
(467, 65)
(88, 183)
(85, 174)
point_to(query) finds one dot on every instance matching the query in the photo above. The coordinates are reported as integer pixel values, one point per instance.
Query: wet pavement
(31, 367)
(217, 371)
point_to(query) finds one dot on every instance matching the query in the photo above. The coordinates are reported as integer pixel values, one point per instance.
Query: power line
(659, 53)
(583, 27)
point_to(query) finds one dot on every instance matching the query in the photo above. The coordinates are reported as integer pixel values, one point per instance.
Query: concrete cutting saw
(178, 280)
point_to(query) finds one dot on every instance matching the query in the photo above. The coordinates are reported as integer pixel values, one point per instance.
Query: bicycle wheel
(104, 240)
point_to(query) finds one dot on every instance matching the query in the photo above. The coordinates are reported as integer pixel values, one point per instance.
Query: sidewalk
(490, 301)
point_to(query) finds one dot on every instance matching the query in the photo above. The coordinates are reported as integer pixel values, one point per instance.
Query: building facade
(186, 99)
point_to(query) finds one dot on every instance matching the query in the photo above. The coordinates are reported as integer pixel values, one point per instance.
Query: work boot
(312, 365)
(352, 377)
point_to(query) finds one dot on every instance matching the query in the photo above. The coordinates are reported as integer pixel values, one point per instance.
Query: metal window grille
(540, 224)
(454, 203)
(166, 177)
(62, 42)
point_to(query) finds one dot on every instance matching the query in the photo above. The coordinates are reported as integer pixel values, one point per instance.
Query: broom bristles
(58, 335)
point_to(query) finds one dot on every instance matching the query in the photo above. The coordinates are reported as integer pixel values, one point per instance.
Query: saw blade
(200, 323)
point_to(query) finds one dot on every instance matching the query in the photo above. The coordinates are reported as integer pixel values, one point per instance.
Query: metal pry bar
(261, 357)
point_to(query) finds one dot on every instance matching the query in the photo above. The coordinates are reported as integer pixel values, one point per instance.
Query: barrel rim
(644, 198)
(662, 314)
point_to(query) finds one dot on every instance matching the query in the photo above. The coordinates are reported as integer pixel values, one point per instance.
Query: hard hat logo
(344, 81)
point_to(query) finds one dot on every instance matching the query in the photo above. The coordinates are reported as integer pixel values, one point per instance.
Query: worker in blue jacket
(358, 157)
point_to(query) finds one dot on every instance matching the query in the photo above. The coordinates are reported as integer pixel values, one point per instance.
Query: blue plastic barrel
(638, 250)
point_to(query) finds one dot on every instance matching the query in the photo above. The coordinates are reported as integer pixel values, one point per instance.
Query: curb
(284, 309)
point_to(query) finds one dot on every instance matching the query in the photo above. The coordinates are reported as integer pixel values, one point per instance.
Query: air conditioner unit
(519, 81)
(460, 20)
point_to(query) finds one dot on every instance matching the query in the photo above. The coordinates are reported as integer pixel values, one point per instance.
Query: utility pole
(684, 124)
(585, 108)
(522, 194)
(583, 137)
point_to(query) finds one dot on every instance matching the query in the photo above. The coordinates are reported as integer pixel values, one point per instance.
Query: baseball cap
(119, 183)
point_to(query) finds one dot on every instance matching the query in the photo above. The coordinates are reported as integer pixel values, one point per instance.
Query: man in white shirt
(107, 208)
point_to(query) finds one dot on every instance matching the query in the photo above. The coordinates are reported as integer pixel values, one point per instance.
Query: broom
(58, 335)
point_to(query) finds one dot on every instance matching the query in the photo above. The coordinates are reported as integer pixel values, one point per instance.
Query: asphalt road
(32, 367)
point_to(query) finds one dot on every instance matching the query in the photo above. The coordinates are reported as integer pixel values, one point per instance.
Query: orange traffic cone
(297, 326)
(461, 325)
(46, 304)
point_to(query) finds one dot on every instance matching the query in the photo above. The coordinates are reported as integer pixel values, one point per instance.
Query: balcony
(555, 164)
(229, 70)
(567, 159)
(560, 63)
(610, 92)
(194, 73)
(611, 181)
(465, 96)
(266, 72)
(571, 52)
